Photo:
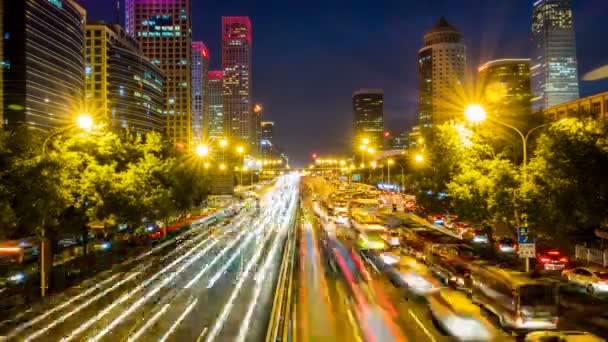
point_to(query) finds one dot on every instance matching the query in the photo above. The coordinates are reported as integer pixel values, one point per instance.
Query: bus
(519, 301)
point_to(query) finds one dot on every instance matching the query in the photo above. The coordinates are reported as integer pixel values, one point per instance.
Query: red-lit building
(239, 122)
(200, 100)
(163, 29)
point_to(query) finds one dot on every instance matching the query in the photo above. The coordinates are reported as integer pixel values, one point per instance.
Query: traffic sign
(524, 236)
(527, 250)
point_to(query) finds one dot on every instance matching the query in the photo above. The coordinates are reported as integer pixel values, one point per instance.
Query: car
(477, 236)
(552, 260)
(506, 245)
(437, 219)
(593, 279)
(454, 313)
(562, 336)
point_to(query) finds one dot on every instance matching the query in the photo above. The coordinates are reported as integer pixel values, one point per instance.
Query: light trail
(28, 324)
(150, 294)
(167, 280)
(181, 317)
(149, 323)
(62, 319)
(221, 271)
(128, 295)
(230, 303)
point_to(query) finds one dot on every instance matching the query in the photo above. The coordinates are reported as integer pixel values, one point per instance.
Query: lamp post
(223, 144)
(84, 122)
(476, 114)
(388, 166)
(402, 175)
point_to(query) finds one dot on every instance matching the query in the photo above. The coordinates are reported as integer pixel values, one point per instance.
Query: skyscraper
(441, 67)
(506, 87)
(554, 66)
(267, 130)
(216, 118)
(200, 68)
(368, 118)
(43, 66)
(122, 85)
(239, 123)
(164, 31)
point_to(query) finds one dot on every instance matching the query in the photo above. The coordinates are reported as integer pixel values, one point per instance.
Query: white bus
(519, 301)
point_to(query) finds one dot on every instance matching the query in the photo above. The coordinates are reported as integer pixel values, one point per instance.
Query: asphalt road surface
(216, 285)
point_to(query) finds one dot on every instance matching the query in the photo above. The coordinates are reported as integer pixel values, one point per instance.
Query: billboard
(222, 184)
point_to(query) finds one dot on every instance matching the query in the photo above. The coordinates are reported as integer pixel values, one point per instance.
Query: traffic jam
(478, 285)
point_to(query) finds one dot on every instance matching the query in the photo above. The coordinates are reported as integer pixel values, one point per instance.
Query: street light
(202, 150)
(223, 144)
(475, 113)
(388, 166)
(419, 158)
(85, 122)
(365, 141)
(222, 166)
(240, 151)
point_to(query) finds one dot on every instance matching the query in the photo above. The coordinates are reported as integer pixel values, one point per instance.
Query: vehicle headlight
(17, 278)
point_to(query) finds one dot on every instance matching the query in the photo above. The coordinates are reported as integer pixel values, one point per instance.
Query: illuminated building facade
(239, 123)
(368, 118)
(595, 106)
(267, 128)
(554, 66)
(506, 87)
(441, 68)
(200, 101)
(163, 29)
(43, 85)
(215, 119)
(122, 85)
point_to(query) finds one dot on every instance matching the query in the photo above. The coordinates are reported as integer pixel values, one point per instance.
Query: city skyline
(376, 30)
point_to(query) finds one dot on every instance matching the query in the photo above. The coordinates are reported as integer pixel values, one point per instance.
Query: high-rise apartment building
(200, 68)
(122, 85)
(505, 86)
(368, 118)
(441, 69)
(239, 123)
(554, 66)
(163, 29)
(43, 66)
(215, 118)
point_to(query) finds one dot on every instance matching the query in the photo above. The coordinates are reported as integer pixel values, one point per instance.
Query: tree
(567, 188)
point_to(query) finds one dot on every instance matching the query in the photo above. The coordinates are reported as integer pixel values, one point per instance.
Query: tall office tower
(1, 64)
(257, 127)
(200, 68)
(506, 87)
(43, 66)
(267, 128)
(164, 31)
(239, 123)
(554, 66)
(267, 147)
(441, 67)
(122, 85)
(215, 118)
(368, 118)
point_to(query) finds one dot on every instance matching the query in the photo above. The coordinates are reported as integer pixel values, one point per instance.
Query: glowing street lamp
(475, 113)
(85, 122)
(365, 141)
(222, 166)
(202, 150)
(419, 158)
(371, 150)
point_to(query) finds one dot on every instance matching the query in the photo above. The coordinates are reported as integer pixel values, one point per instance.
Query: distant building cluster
(148, 76)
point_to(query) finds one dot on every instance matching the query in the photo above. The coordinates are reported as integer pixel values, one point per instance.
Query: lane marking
(181, 317)
(149, 323)
(424, 329)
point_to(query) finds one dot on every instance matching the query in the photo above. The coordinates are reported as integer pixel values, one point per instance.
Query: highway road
(216, 285)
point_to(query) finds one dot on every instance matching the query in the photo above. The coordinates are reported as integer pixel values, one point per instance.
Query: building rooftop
(442, 26)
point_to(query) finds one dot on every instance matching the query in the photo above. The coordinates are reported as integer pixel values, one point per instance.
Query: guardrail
(596, 256)
(439, 228)
(280, 325)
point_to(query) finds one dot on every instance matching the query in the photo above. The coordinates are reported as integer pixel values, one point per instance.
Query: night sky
(309, 56)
